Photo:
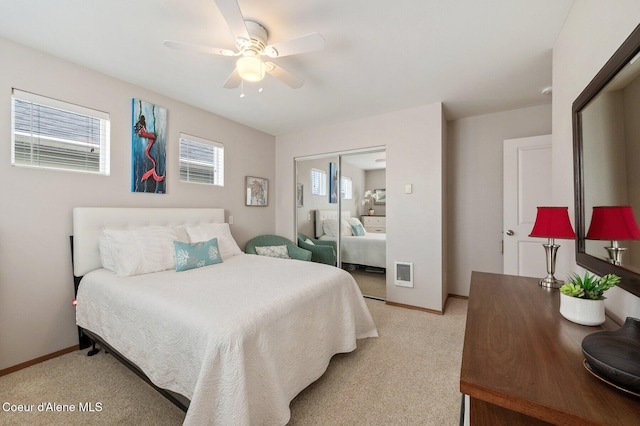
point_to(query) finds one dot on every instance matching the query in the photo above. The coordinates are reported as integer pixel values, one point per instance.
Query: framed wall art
(333, 183)
(299, 195)
(148, 147)
(256, 191)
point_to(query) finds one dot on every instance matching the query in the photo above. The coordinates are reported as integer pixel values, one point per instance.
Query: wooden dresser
(522, 362)
(375, 224)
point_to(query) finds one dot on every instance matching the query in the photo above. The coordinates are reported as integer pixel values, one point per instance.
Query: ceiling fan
(251, 42)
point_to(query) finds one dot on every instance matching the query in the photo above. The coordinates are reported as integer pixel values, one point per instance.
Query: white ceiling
(475, 57)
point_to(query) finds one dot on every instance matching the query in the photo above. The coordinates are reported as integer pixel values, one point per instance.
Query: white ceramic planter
(582, 311)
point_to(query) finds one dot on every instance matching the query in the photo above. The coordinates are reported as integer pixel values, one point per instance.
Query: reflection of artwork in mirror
(257, 191)
(606, 149)
(333, 183)
(299, 195)
(380, 196)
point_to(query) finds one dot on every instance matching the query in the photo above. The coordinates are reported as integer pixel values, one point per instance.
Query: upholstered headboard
(322, 215)
(89, 222)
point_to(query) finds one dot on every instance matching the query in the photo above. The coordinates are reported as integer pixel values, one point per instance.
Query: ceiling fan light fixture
(250, 68)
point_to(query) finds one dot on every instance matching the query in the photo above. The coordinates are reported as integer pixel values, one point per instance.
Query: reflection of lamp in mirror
(551, 223)
(613, 223)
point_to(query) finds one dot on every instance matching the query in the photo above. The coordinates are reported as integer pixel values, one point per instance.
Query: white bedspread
(240, 339)
(369, 249)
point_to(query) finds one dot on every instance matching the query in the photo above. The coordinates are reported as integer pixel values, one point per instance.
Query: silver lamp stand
(551, 248)
(615, 253)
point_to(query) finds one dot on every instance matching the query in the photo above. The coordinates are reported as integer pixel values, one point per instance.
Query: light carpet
(407, 376)
(373, 284)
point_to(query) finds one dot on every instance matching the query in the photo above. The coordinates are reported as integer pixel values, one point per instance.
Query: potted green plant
(582, 298)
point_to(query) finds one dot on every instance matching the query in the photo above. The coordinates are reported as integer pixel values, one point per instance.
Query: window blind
(49, 133)
(318, 182)
(201, 160)
(347, 188)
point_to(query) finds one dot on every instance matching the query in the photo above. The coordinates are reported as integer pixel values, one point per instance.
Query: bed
(232, 340)
(367, 250)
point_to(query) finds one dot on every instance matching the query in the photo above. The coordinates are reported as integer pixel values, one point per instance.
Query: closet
(341, 200)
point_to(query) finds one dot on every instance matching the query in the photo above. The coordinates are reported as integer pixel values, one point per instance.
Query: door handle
(510, 232)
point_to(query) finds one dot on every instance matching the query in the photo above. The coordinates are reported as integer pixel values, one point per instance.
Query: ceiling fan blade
(283, 75)
(180, 45)
(233, 16)
(233, 81)
(307, 43)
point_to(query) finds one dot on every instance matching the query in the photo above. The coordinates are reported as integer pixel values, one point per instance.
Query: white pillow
(330, 227)
(136, 251)
(207, 231)
(181, 233)
(346, 228)
(273, 251)
(354, 221)
(106, 253)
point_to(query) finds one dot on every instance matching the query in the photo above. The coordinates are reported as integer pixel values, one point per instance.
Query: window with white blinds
(347, 188)
(318, 182)
(201, 160)
(48, 133)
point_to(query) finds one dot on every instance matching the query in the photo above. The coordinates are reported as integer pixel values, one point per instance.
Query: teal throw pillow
(357, 230)
(196, 255)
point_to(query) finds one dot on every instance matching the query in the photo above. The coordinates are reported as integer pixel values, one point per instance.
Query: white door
(527, 185)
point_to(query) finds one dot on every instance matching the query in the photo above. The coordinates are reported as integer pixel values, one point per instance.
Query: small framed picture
(380, 196)
(299, 195)
(257, 191)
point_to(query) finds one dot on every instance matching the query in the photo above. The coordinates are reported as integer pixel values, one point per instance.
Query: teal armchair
(322, 251)
(295, 252)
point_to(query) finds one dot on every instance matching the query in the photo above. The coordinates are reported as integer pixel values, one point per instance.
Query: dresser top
(521, 354)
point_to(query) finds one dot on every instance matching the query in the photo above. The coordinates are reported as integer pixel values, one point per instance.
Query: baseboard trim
(416, 308)
(37, 360)
(457, 296)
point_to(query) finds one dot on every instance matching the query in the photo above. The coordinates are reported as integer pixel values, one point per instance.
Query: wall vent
(404, 274)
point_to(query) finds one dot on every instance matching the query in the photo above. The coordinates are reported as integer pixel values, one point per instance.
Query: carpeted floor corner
(409, 375)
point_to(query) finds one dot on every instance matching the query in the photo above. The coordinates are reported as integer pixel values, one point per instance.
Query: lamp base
(551, 282)
(615, 253)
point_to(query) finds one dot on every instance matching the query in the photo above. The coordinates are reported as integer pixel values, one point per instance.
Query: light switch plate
(408, 188)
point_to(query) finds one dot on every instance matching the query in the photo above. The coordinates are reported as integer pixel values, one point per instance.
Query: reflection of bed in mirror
(367, 250)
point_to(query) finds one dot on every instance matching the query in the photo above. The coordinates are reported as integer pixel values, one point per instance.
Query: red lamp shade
(553, 222)
(613, 223)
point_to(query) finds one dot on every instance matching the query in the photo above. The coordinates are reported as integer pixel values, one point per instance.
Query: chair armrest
(325, 243)
(299, 253)
(320, 253)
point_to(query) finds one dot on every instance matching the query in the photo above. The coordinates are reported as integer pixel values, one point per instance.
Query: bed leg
(93, 350)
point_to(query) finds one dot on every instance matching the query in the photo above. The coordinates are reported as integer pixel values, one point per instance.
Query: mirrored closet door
(341, 203)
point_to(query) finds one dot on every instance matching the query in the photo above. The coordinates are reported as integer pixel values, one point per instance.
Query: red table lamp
(552, 223)
(613, 223)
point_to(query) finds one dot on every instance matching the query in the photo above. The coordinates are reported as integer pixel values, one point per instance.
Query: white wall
(414, 144)
(592, 32)
(475, 148)
(36, 286)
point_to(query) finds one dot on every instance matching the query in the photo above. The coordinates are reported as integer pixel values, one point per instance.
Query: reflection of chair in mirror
(293, 250)
(613, 223)
(321, 251)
